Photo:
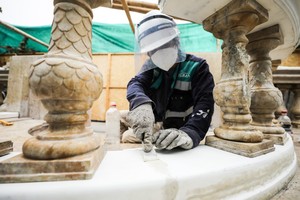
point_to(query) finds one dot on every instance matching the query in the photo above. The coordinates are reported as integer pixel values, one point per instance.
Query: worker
(171, 96)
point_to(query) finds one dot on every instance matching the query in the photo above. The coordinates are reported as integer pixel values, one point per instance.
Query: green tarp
(107, 38)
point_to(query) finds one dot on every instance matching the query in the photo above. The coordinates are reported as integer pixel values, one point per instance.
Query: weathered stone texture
(265, 97)
(232, 93)
(67, 82)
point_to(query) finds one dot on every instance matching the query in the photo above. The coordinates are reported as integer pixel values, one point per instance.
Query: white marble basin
(200, 173)
(286, 13)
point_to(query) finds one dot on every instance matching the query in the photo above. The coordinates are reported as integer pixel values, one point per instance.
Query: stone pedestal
(232, 93)
(250, 150)
(21, 169)
(265, 97)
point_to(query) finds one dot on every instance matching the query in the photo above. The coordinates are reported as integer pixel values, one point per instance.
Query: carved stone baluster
(232, 93)
(265, 97)
(277, 113)
(295, 109)
(67, 82)
(284, 89)
(287, 79)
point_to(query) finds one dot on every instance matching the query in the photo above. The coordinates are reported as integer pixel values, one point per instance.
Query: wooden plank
(122, 70)
(119, 96)
(102, 63)
(99, 107)
(108, 78)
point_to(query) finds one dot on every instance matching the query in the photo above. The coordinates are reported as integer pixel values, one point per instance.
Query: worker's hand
(141, 120)
(171, 138)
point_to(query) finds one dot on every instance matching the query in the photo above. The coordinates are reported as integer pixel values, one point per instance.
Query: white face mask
(165, 58)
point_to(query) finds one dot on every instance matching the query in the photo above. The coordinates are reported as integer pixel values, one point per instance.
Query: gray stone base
(20, 169)
(245, 149)
(279, 139)
(296, 123)
(6, 147)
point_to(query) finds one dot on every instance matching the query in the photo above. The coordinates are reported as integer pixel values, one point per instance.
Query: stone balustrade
(287, 79)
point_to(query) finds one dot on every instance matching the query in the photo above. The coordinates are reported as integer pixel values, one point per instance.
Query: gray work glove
(171, 138)
(141, 120)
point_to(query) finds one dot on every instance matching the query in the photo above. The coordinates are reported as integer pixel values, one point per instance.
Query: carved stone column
(295, 109)
(284, 90)
(67, 82)
(265, 97)
(232, 93)
(277, 113)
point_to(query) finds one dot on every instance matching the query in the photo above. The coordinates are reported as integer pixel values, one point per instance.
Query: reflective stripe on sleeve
(179, 114)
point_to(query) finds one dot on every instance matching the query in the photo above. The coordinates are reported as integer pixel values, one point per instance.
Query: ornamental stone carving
(232, 93)
(265, 97)
(67, 82)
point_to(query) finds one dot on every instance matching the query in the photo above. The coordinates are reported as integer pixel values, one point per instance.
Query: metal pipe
(131, 8)
(23, 33)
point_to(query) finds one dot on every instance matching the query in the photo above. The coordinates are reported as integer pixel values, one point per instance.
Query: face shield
(157, 43)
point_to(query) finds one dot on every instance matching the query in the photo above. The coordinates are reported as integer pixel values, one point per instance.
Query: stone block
(6, 147)
(279, 139)
(18, 85)
(20, 169)
(241, 148)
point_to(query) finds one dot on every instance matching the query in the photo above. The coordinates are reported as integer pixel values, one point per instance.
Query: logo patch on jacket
(184, 75)
(201, 113)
